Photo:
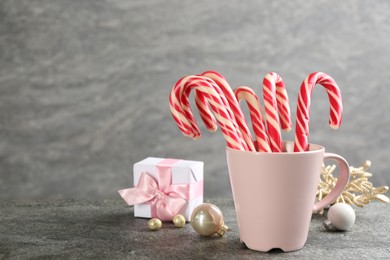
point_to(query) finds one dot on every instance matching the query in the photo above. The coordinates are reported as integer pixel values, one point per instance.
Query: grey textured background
(84, 84)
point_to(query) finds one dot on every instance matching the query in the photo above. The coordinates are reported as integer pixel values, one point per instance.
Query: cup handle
(340, 185)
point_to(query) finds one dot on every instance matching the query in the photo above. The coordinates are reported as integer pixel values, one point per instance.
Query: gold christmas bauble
(207, 220)
(154, 224)
(179, 221)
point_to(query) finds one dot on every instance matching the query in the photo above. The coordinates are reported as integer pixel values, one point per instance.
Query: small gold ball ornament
(207, 219)
(179, 221)
(154, 224)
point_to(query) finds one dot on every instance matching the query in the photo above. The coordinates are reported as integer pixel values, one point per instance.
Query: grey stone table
(74, 229)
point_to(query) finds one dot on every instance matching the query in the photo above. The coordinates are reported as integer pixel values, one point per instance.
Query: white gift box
(183, 172)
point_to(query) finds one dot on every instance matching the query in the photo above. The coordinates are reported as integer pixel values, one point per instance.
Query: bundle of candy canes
(219, 105)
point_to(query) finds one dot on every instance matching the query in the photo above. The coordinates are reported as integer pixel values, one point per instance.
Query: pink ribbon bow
(166, 199)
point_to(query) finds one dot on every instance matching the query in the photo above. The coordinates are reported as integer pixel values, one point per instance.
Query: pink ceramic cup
(274, 194)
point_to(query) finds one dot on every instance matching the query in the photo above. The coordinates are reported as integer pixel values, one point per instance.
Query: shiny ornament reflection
(207, 220)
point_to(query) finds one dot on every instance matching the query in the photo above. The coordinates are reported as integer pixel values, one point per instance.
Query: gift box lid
(183, 171)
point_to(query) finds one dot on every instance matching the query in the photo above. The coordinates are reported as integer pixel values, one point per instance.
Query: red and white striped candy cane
(218, 104)
(205, 112)
(303, 107)
(185, 119)
(277, 109)
(247, 94)
(177, 111)
(215, 102)
(203, 108)
(234, 105)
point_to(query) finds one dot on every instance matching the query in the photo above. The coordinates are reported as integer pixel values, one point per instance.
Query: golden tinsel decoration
(359, 190)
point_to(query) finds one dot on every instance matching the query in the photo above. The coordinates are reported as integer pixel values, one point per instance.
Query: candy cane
(283, 104)
(215, 102)
(247, 94)
(204, 110)
(186, 121)
(205, 113)
(277, 109)
(178, 114)
(303, 107)
(219, 105)
(234, 105)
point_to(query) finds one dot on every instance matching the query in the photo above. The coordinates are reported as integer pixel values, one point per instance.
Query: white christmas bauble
(342, 216)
